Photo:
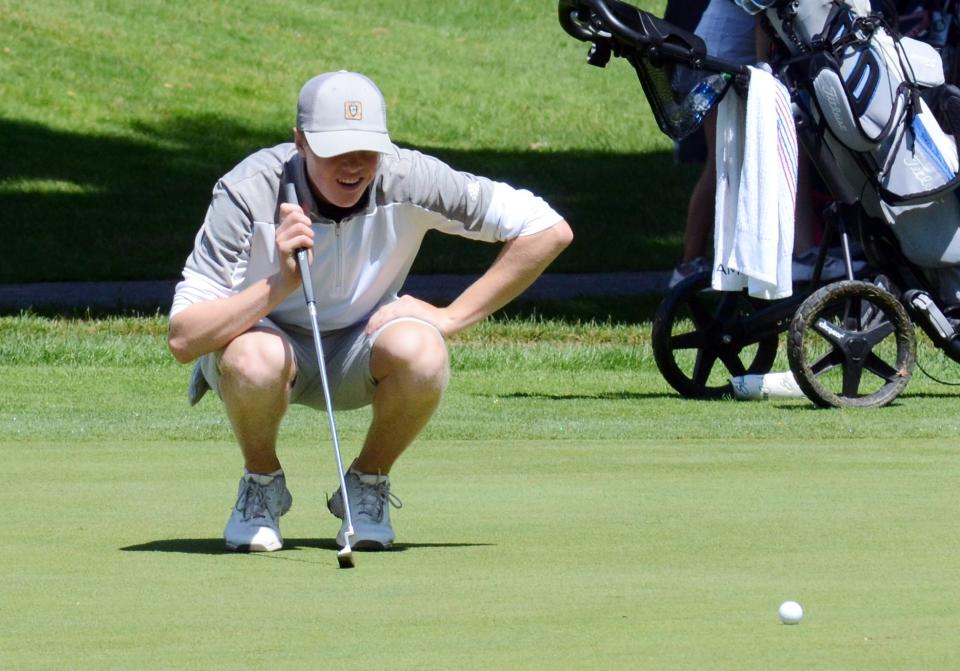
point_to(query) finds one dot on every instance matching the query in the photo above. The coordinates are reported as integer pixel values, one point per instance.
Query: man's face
(340, 180)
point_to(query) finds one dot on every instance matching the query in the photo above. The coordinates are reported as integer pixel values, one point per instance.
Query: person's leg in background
(728, 33)
(699, 227)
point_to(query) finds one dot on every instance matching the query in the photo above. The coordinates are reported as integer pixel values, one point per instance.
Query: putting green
(511, 555)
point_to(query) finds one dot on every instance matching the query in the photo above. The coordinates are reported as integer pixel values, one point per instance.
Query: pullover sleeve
(216, 266)
(468, 205)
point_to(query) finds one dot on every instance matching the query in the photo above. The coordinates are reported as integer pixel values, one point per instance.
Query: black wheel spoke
(833, 333)
(880, 368)
(703, 366)
(691, 340)
(827, 362)
(699, 335)
(877, 334)
(699, 312)
(731, 360)
(833, 345)
(852, 312)
(852, 374)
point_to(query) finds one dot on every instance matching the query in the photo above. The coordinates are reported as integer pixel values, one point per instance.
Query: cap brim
(333, 143)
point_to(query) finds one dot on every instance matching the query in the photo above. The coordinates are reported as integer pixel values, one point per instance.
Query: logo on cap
(353, 110)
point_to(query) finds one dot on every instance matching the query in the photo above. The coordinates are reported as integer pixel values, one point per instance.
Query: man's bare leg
(410, 363)
(257, 370)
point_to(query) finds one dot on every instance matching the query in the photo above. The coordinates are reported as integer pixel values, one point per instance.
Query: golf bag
(867, 89)
(887, 163)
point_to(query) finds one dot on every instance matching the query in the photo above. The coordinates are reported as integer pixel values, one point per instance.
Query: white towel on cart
(756, 190)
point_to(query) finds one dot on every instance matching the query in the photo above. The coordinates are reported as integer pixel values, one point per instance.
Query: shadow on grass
(214, 546)
(599, 396)
(77, 206)
(811, 406)
(111, 208)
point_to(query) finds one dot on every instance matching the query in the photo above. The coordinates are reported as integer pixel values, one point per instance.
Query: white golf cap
(340, 112)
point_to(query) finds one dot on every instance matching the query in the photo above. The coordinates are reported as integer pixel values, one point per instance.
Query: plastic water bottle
(768, 385)
(688, 116)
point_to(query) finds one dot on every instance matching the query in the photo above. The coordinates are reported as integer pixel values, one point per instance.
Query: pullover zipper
(339, 268)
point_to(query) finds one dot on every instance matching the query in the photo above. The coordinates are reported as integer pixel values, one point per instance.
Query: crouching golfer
(364, 207)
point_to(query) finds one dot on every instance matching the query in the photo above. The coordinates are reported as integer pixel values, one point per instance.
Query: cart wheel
(699, 343)
(851, 344)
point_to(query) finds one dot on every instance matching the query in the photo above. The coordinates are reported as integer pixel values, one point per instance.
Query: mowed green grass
(565, 510)
(117, 118)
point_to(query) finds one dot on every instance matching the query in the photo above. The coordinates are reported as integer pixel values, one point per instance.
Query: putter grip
(290, 193)
(303, 258)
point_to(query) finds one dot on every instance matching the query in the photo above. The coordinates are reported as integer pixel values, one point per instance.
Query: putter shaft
(345, 555)
(318, 345)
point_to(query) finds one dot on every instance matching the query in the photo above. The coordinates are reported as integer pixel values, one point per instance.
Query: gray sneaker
(254, 524)
(688, 269)
(370, 501)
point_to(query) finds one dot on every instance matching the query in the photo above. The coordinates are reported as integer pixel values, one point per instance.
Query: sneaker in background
(254, 524)
(833, 267)
(687, 269)
(370, 500)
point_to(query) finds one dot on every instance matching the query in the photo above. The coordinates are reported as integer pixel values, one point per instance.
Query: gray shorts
(728, 32)
(346, 353)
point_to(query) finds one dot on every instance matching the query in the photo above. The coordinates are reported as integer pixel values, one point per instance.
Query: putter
(345, 555)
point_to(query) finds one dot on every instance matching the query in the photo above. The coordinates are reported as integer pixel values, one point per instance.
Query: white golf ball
(791, 612)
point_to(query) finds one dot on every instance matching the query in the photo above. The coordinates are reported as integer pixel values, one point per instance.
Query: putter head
(345, 557)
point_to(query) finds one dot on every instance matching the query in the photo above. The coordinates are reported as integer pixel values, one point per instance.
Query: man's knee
(258, 359)
(414, 350)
